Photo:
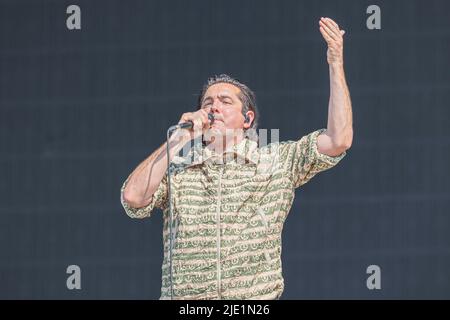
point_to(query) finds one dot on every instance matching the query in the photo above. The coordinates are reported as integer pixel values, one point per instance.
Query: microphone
(190, 124)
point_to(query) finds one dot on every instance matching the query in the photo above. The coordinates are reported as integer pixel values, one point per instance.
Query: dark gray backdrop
(80, 109)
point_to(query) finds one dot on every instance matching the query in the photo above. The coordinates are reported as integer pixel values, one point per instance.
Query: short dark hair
(247, 96)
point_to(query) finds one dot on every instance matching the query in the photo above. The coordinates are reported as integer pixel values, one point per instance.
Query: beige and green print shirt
(229, 212)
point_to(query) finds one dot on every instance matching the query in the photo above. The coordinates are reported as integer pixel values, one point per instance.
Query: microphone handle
(190, 124)
(185, 125)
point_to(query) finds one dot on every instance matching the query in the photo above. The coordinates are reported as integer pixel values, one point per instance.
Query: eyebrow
(221, 96)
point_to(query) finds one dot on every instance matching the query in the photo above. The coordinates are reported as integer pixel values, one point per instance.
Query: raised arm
(339, 134)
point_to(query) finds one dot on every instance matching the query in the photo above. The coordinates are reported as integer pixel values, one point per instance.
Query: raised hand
(334, 38)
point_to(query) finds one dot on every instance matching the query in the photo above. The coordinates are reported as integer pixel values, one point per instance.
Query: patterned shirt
(229, 212)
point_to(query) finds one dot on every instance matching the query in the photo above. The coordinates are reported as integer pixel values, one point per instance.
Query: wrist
(336, 65)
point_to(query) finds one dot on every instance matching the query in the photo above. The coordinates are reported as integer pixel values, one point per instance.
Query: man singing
(229, 204)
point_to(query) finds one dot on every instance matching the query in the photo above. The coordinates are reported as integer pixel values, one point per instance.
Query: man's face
(222, 99)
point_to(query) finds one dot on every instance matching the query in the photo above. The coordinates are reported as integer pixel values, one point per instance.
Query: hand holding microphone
(195, 122)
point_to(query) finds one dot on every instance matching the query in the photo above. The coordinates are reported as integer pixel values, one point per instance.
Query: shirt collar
(246, 149)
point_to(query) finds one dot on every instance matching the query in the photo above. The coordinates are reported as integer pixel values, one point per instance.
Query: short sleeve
(303, 160)
(159, 200)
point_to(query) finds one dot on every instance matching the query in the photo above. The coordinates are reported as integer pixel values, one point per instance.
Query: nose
(215, 107)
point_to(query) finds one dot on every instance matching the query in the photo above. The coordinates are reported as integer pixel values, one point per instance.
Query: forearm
(145, 179)
(340, 123)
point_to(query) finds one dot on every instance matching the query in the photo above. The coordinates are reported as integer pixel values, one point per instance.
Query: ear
(251, 116)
